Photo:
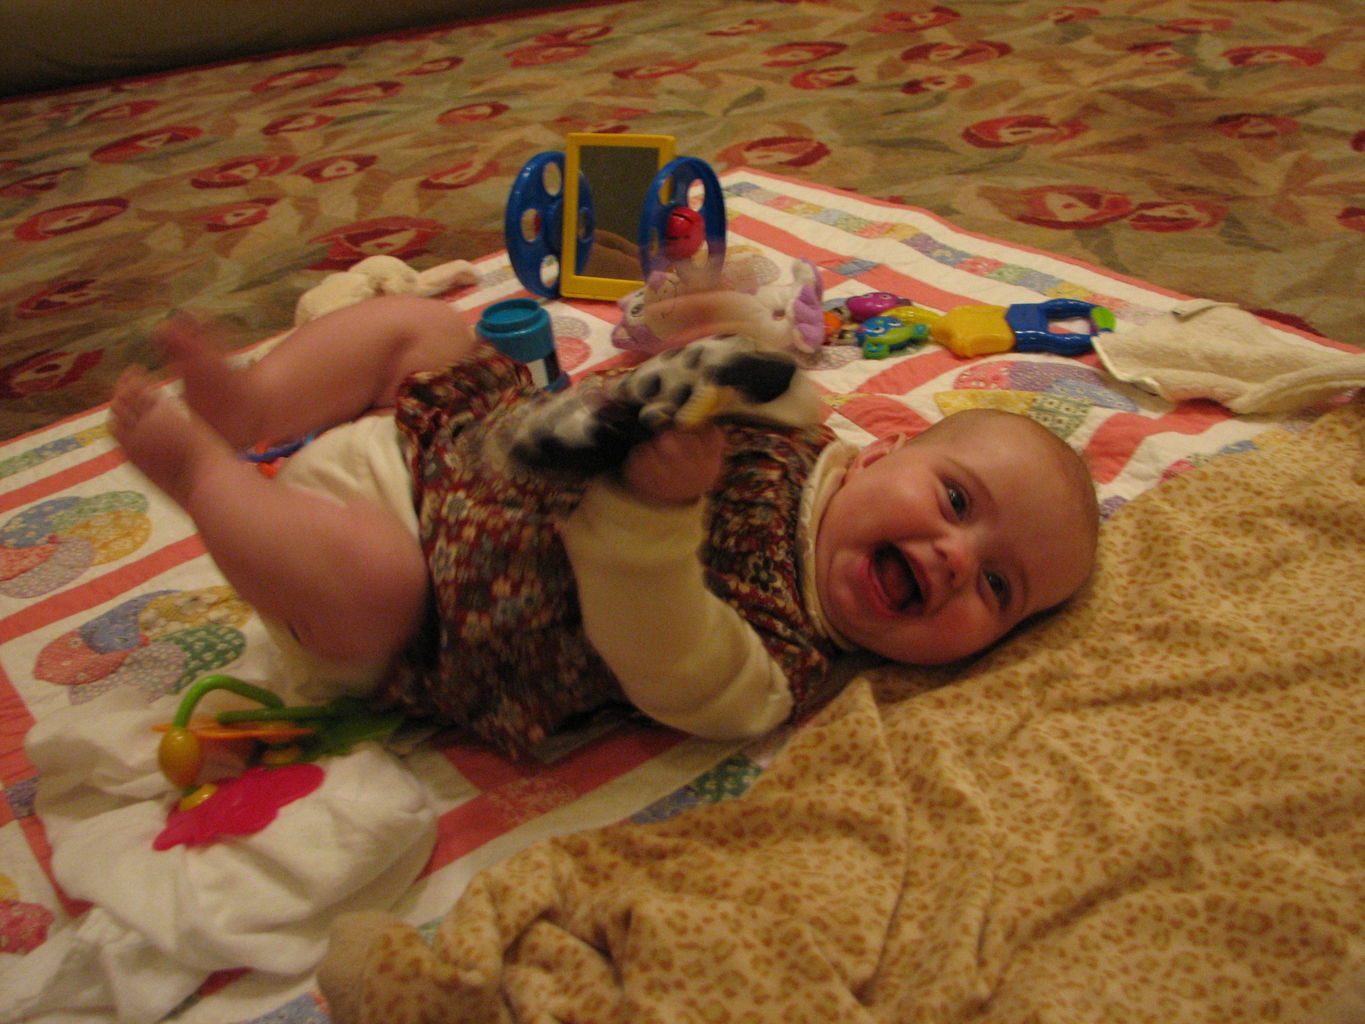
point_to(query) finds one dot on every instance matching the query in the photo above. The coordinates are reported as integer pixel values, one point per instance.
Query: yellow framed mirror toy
(594, 221)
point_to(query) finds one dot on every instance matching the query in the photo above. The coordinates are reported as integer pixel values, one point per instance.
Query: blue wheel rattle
(533, 224)
(672, 230)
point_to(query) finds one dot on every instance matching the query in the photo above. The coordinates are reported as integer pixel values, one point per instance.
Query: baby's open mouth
(896, 578)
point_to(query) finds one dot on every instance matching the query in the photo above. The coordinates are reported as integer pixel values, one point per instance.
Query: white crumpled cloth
(1206, 349)
(164, 921)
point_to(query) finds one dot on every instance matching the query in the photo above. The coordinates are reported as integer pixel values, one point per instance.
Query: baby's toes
(128, 395)
(134, 397)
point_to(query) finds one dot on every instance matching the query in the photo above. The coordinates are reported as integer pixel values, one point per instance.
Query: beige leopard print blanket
(1150, 807)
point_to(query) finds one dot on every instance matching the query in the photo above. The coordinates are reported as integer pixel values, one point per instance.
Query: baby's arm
(682, 655)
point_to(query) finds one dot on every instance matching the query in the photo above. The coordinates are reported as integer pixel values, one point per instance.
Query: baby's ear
(878, 448)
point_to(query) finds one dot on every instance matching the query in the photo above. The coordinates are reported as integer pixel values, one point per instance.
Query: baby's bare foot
(216, 390)
(160, 438)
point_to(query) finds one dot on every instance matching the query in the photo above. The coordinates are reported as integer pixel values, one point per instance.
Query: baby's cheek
(966, 629)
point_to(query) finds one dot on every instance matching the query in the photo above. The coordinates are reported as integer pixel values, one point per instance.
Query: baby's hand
(675, 467)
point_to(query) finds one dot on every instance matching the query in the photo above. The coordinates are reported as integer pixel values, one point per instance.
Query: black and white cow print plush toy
(592, 427)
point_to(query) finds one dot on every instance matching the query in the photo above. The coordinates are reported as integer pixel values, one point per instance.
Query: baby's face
(933, 549)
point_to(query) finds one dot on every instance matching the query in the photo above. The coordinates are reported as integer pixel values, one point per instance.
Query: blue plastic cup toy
(520, 328)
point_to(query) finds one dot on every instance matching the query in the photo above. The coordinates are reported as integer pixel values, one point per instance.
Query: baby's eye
(1000, 587)
(957, 500)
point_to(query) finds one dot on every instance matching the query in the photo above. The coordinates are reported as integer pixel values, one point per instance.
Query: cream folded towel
(1206, 349)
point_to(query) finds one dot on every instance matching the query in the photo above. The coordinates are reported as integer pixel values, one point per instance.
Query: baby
(710, 581)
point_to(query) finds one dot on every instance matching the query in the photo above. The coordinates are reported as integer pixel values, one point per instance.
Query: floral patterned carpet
(1213, 148)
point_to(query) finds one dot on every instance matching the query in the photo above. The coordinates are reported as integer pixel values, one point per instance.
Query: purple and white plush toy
(678, 306)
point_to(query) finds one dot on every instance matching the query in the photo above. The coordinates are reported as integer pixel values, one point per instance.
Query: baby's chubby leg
(325, 372)
(348, 580)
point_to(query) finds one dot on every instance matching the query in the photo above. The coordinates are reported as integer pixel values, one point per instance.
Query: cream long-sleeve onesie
(682, 655)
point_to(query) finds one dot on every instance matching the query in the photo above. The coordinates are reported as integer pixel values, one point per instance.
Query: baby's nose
(958, 557)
